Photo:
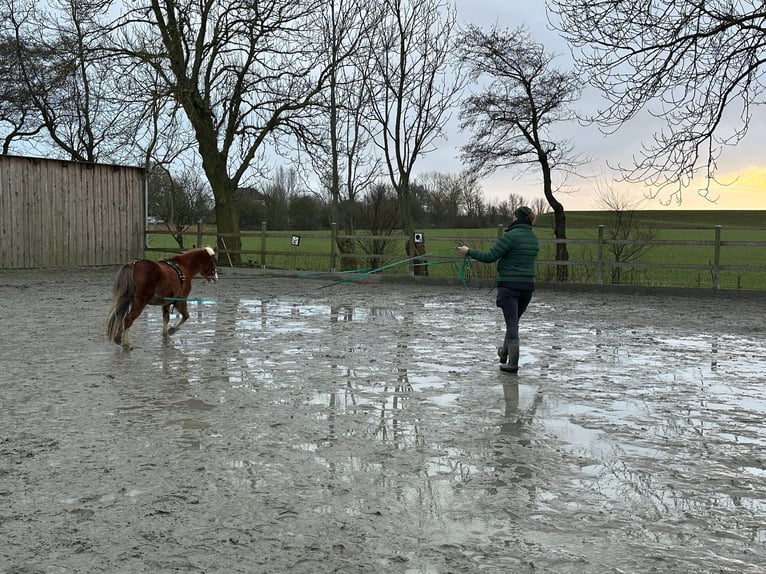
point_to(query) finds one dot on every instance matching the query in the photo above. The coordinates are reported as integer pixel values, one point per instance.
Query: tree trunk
(562, 253)
(421, 263)
(418, 265)
(227, 220)
(559, 221)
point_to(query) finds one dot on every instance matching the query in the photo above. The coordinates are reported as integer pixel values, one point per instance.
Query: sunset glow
(736, 191)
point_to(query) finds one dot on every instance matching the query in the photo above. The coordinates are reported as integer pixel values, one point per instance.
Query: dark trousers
(513, 303)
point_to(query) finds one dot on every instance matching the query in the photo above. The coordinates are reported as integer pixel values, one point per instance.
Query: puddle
(368, 428)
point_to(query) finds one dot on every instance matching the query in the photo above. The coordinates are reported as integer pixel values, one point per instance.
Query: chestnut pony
(167, 283)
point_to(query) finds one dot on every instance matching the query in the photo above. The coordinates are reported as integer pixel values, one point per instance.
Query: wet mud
(298, 426)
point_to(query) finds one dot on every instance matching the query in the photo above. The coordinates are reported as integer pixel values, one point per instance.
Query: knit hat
(522, 212)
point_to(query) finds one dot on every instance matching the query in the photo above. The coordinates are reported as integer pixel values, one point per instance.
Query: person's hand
(463, 249)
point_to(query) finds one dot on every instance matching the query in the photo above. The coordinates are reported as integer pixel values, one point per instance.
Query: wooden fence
(592, 263)
(712, 265)
(57, 213)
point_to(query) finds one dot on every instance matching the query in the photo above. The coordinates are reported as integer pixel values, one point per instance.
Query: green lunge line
(461, 271)
(359, 276)
(192, 300)
(320, 273)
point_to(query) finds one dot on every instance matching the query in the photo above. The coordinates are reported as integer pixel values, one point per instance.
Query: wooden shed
(56, 213)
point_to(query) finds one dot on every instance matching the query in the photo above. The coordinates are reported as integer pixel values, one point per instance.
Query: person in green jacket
(515, 253)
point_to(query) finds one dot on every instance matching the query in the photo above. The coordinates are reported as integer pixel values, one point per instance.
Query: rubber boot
(513, 357)
(502, 352)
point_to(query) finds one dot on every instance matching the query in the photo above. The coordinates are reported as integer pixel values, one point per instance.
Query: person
(515, 252)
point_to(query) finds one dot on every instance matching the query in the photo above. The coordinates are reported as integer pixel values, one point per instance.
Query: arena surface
(296, 425)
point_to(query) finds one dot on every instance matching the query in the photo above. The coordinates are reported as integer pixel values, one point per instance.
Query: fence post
(263, 245)
(500, 230)
(333, 245)
(600, 252)
(199, 233)
(717, 259)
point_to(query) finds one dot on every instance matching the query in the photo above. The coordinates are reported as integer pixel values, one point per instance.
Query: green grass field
(669, 219)
(313, 253)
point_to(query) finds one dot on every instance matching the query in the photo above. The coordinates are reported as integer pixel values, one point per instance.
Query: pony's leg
(181, 307)
(135, 310)
(125, 342)
(165, 319)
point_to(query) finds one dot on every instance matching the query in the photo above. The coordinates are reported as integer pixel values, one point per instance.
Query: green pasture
(667, 255)
(313, 252)
(688, 219)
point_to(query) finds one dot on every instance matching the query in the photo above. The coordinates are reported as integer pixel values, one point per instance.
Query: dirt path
(293, 426)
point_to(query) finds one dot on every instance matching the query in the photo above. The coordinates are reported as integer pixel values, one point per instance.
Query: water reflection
(374, 394)
(671, 420)
(155, 392)
(714, 354)
(393, 403)
(342, 313)
(516, 462)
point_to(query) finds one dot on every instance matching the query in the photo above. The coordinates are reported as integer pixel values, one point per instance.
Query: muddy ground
(294, 425)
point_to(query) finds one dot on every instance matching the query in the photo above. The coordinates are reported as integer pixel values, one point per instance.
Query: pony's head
(211, 274)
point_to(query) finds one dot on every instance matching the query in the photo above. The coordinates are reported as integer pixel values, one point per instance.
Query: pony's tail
(122, 296)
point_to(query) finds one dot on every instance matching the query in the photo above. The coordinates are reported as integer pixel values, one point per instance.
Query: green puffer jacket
(515, 253)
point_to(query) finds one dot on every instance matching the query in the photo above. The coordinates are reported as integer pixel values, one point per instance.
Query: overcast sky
(745, 163)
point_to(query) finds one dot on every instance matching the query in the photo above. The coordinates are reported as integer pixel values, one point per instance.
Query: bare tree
(346, 162)
(511, 119)
(246, 75)
(504, 209)
(307, 211)
(62, 68)
(500, 210)
(412, 93)
(627, 238)
(443, 195)
(515, 200)
(539, 205)
(277, 194)
(17, 114)
(181, 200)
(381, 215)
(162, 136)
(695, 65)
(473, 200)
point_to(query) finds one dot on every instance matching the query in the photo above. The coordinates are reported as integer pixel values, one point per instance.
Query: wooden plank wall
(57, 213)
